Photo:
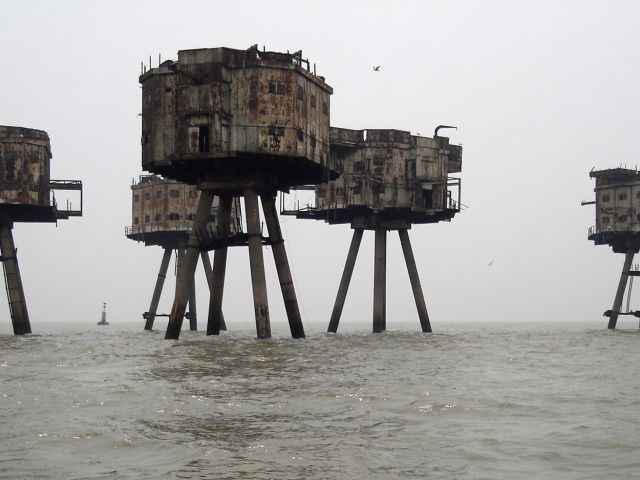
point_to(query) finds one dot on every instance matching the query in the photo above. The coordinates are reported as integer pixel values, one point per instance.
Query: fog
(541, 92)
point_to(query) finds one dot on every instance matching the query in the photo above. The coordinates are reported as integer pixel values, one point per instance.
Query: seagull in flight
(490, 263)
(377, 68)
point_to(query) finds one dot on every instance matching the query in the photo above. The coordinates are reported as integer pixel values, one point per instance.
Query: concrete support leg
(622, 285)
(256, 261)
(379, 281)
(346, 280)
(208, 271)
(219, 268)
(186, 269)
(13, 282)
(415, 281)
(162, 274)
(282, 266)
(193, 312)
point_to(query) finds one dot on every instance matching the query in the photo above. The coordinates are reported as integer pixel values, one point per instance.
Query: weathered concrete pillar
(219, 268)
(186, 269)
(379, 281)
(193, 312)
(418, 296)
(157, 292)
(256, 262)
(622, 285)
(346, 280)
(15, 292)
(282, 266)
(208, 271)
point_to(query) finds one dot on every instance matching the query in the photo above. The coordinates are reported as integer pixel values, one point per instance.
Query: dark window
(605, 197)
(276, 131)
(638, 194)
(300, 135)
(136, 220)
(203, 138)
(158, 193)
(136, 198)
(300, 93)
(312, 101)
(622, 218)
(174, 193)
(325, 108)
(146, 195)
(158, 217)
(190, 216)
(174, 216)
(312, 141)
(339, 191)
(212, 218)
(605, 219)
(276, 87)
(147, 218)
(622, 196)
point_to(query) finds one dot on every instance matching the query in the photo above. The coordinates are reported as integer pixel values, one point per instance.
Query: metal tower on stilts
(617, 204)
(236, 123)
(162, 215)
(390, 180)
(26, 195)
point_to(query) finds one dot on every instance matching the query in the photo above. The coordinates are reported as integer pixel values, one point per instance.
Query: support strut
(219, 269)
(415, 280)
(380, 281)
(13, 281)
(186, 269)
(282, 266)
(208, 271)
(346, 280)
(622, 285)
(256, 262)
(157, 292)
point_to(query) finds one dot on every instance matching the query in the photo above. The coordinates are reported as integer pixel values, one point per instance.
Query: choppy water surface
(469, 402)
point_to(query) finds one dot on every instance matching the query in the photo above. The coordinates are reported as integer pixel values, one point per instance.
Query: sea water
(470, 401)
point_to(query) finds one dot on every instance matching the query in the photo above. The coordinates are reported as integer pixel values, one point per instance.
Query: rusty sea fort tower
(162, 215)
(236, 123)
(389, 180)
(27, 194)
(617, 202)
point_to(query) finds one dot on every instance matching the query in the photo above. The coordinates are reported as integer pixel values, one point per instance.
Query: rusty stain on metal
(218, 111)
(390, 174)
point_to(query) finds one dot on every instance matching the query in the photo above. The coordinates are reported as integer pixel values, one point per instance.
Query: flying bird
(377, 68)
(490, 263)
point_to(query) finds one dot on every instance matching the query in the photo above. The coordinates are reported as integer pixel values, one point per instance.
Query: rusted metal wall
(382, 169)
(617, 200)
(219, 103)
(161, 205)
(24, 166)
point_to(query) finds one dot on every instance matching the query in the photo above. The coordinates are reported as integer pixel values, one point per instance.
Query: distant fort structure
(27, 194)
(236, 123)
(389, 180)
(617, 201)
(162, 214)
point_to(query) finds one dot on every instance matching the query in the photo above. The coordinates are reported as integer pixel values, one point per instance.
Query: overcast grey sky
(541, 92)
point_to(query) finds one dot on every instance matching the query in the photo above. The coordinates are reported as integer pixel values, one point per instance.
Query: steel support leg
(13, 282)
(346, 280)
(208, 271)
(256, 261)
(186, 269)
(415, 280)
(622, 285)
(157, 292)
(379, 281)
(282, 266)
(219, 268)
